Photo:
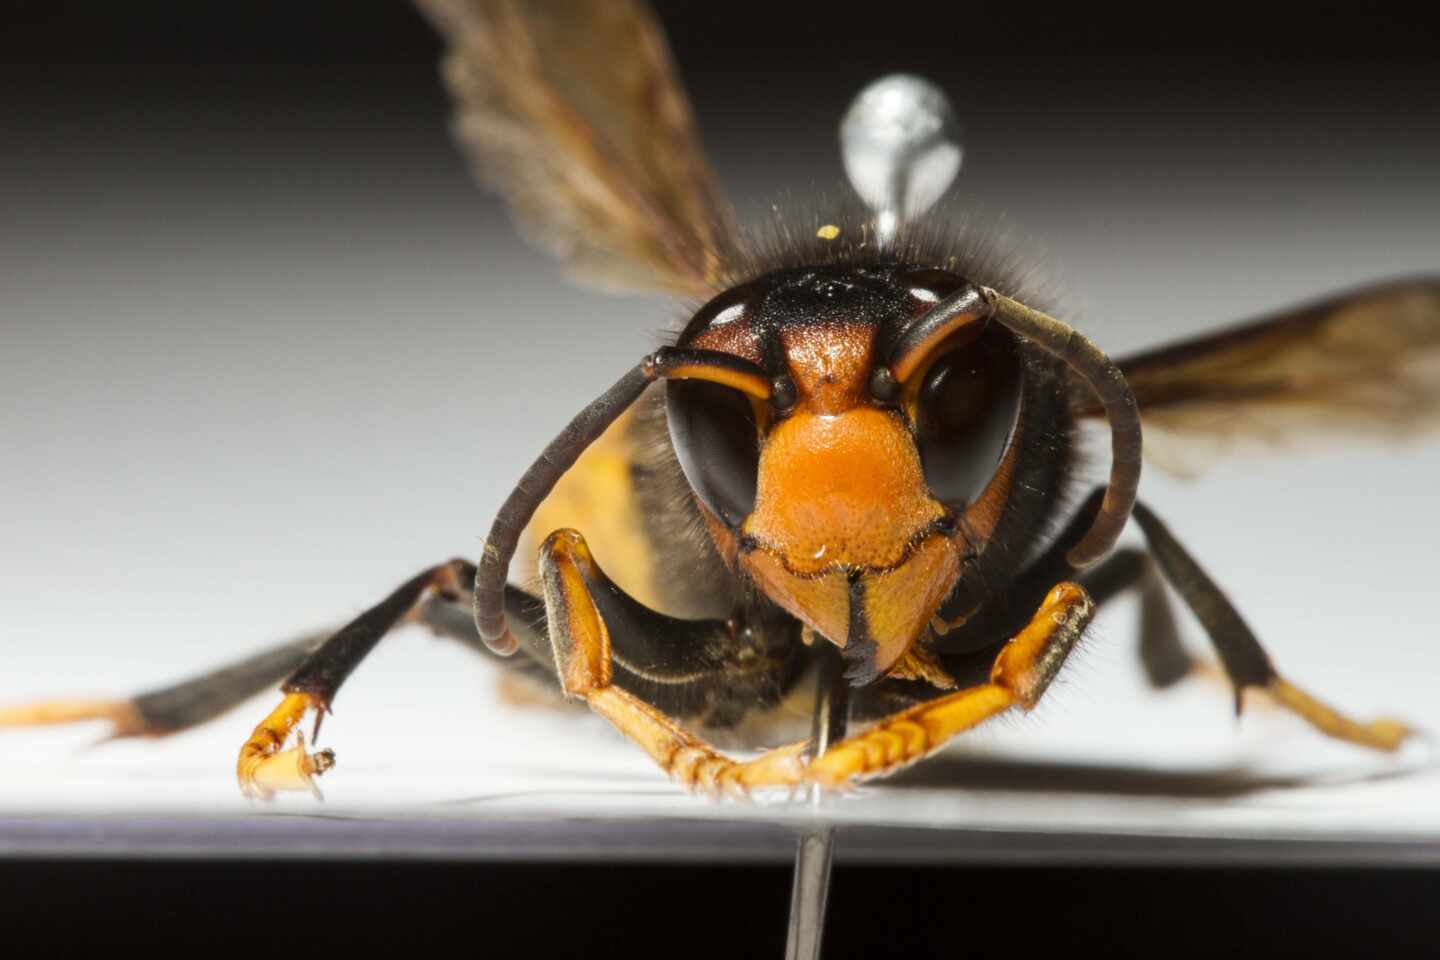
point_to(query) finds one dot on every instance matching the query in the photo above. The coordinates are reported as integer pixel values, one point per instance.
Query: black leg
(204, 698)
(199, 699)
(526, 615)
(1162, 654)
(179, 706)
(323, 672)
(1245, 661)
(262, 767)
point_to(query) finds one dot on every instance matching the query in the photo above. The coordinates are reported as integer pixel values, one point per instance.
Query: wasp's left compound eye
(968, 403)
(716, 440)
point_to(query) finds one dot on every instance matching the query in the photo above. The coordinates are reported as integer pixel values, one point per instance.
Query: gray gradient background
(265, 351)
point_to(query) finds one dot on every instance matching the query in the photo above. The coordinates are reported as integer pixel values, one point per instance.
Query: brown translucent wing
(1364, 362)
(572, 111)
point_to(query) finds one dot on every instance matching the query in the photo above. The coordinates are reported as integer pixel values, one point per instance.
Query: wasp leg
(1018, 677)
(263, 768)
(526, 681)
(1245, 661)
(1162, 655)
(177, 707)
(199, 699)
(575, 592)
(202, 698)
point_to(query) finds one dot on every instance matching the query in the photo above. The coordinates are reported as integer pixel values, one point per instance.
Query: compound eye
(966, 411)
(716, 440)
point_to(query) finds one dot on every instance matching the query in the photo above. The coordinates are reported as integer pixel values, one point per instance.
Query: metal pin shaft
(815, 846)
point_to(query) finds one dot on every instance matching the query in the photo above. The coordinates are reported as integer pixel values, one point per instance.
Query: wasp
(851, 479)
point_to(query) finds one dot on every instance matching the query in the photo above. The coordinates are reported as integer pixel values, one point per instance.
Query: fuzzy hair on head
(951, 236)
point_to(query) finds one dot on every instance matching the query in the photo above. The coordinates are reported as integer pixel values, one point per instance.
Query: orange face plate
(845, 534)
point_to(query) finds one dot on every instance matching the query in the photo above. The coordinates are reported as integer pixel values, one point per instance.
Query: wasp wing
(574, 114)
(1365, 362)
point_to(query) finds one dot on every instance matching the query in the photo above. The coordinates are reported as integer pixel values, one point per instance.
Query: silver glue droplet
(900, 143)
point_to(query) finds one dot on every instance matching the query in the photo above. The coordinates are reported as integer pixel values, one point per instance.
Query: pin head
(900, 143)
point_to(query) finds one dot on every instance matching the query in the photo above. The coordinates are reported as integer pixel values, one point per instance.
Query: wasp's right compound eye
(713, 430)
